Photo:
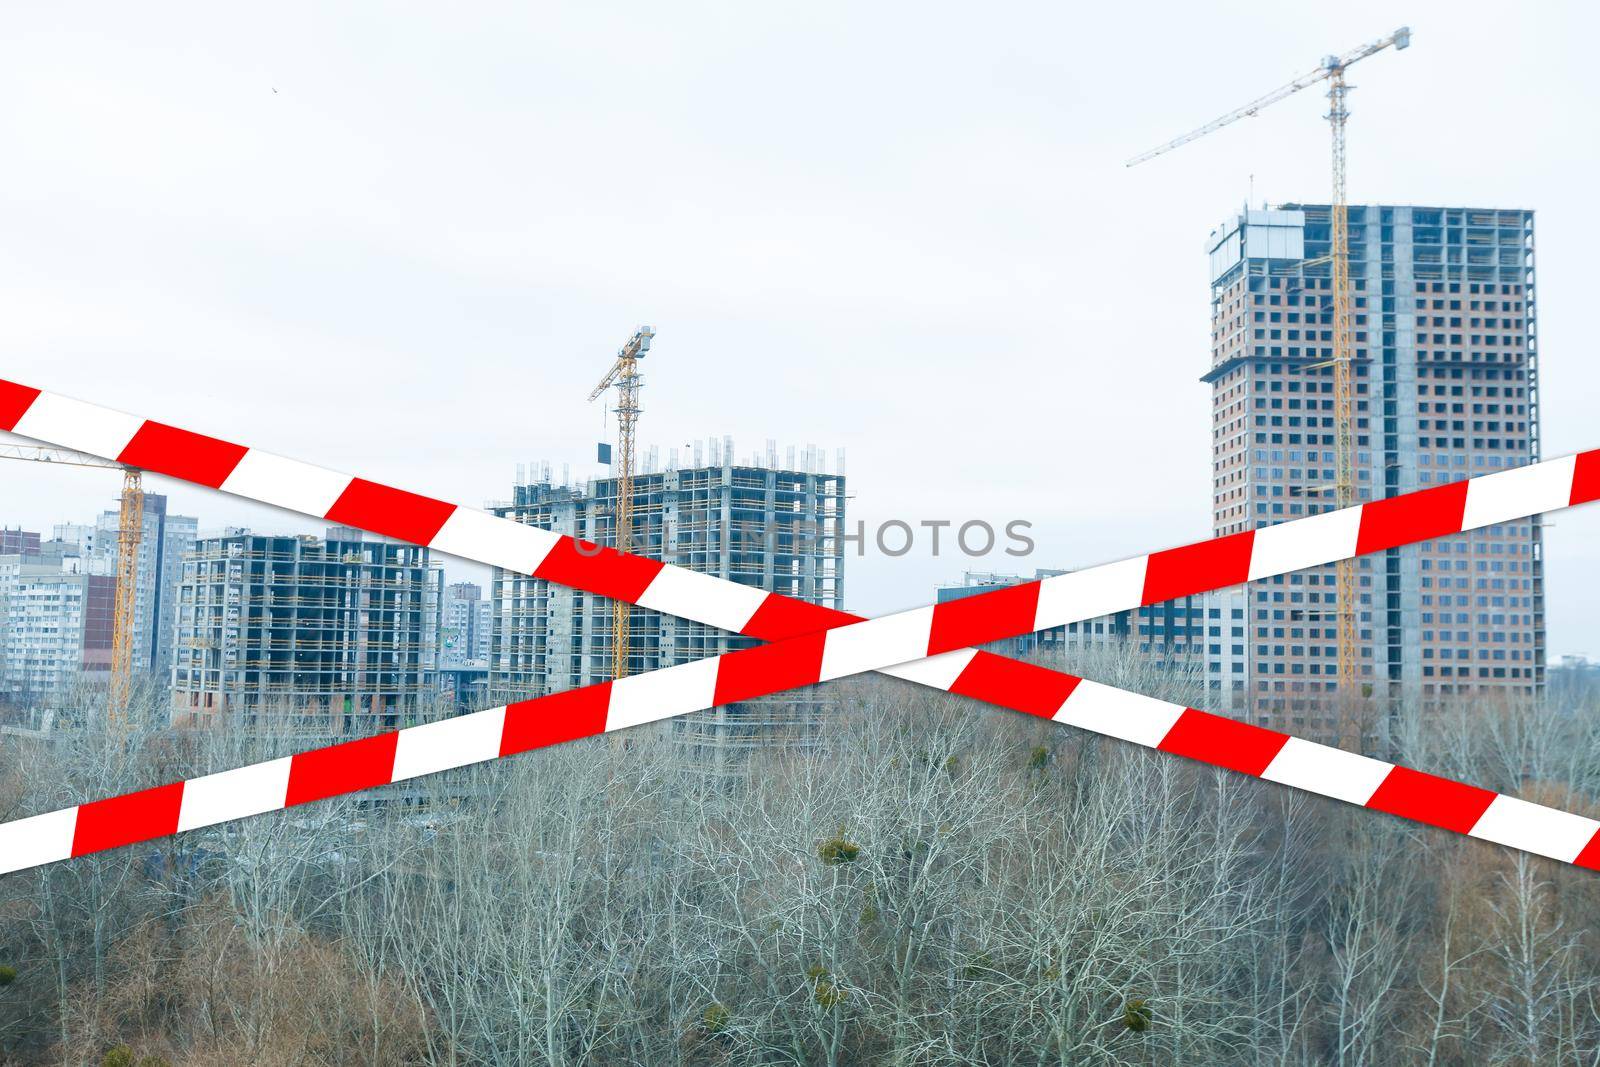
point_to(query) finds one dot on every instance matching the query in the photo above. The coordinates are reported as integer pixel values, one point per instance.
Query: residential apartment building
(55, 623)
(465, 628)
(749, 523)
(1446, 387)
(340, 629)
(14, 542)
(165, 540)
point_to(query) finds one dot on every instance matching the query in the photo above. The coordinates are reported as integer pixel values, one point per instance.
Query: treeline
(935, 883)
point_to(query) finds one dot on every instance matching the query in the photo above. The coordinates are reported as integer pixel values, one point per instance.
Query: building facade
(340, 629)
(1446, 387)
(165, 540)
(55, 624)
(1193, 634)
(465, 628)
(18, 541)
(777, 530)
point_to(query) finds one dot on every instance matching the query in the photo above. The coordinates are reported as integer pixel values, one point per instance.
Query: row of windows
(1475, 287)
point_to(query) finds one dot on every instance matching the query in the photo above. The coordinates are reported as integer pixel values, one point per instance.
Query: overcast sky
(406, 241)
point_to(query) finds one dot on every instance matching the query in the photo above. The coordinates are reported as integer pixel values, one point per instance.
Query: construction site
(135, 549)
(751, 522)
(341, 629)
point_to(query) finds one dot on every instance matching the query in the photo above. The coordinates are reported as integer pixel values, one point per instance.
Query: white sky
(903, 229)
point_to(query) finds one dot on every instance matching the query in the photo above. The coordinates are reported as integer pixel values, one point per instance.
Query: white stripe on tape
(1332, 772)
(1118, 713)
(703, 597)
(1302, 543)
(234, 794)
(486, 538)
(286, 483)
(455, 742)
(663, 693)
(1560, 835)
(39, 839)
(939, 671)
(78, 425)
(1090, 593)
(1520, 492)
(898, 638)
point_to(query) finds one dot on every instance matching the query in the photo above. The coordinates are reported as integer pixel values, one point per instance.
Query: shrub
(715, 1018)
(826, 992)
(836, 850)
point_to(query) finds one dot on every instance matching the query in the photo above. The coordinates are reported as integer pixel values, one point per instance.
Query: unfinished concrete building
(776, 529)
(339, 631)
(1446, 374)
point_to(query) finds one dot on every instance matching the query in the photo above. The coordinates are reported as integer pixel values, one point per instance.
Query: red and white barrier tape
(661, 694)
(865, 646)
(853, 645)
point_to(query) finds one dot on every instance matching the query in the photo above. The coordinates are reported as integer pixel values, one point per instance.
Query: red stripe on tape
(585, 565)
(550, 720)
(1238, 746)
(127, 819)
(986, 617)
(389, 511)
(327, 772)
(1415, 516)
(753, 672)
(1436, 801)
(1214, 564)
(1590, 856)
(1011, 683)
(182, 454)
(779, 617)
(15, 400)
(1585, 477)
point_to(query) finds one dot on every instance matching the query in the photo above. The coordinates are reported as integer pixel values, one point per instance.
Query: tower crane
(1332, 70)
(130, 531)
(624, 374)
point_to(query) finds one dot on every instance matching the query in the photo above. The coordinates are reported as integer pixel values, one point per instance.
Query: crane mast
(130, 532)
(1344, 487)
(624, 374)
(1332, 70)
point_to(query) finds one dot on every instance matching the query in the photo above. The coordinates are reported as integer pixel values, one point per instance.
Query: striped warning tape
(1030, 606)
(485, 735)
(904, 637)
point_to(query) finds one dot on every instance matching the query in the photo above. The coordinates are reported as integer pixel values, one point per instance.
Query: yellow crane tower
(130, 530)
(624, 374)
(1332, 70)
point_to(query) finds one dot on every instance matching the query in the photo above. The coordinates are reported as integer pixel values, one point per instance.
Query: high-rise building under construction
(747, 522)
(335, 633)
(1446, 386)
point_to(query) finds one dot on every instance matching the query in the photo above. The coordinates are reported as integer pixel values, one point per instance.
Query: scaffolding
(773, 529)
(344, 629)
